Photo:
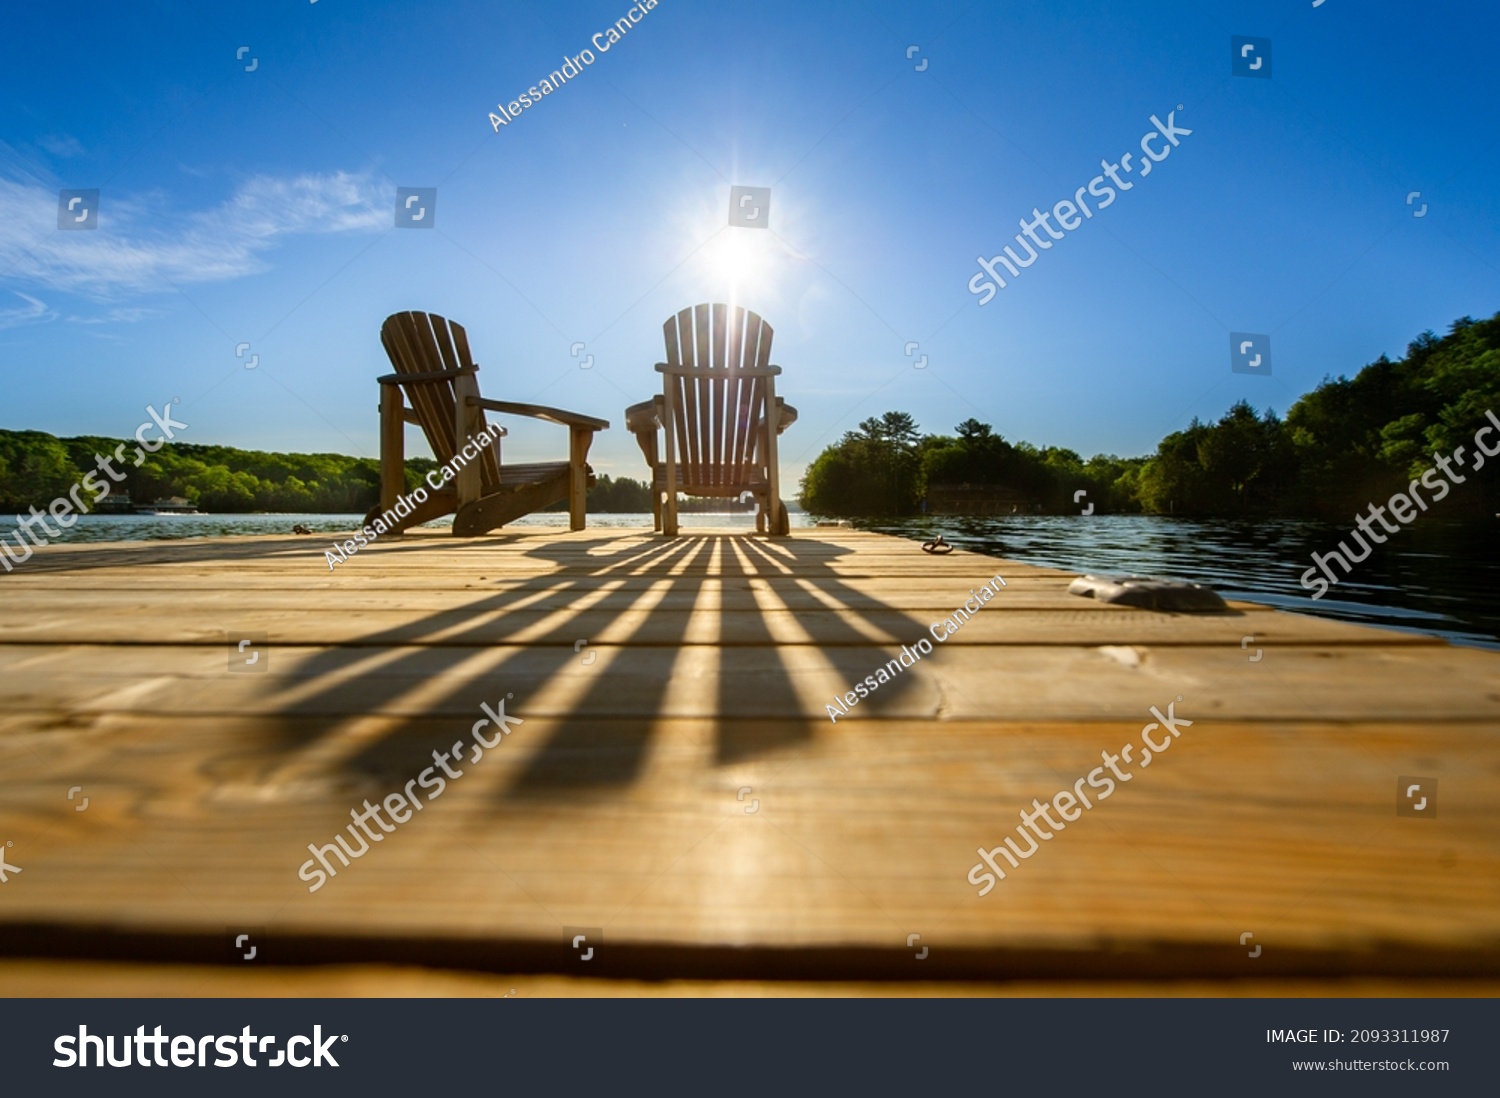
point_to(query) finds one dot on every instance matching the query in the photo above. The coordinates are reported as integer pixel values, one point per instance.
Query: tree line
(1348, 441)
(36, 468)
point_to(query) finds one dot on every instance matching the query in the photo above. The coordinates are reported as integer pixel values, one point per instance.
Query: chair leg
(579, 441)
(392, 446)
(669, 470)
(773, 461)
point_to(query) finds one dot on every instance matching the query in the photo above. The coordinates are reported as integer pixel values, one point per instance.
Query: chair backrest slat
(763, 343)
(748, 412)
(735, 441)
(404, 345)
(703, 336)
(424, 343)
(719, 374)
(681, 417)
(674, 349)
(442, 336)
(689, 401)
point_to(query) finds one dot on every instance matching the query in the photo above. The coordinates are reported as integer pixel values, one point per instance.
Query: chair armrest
(430, 375)
(692, 371)
(645, 417)
(788, 416)
(540, 411)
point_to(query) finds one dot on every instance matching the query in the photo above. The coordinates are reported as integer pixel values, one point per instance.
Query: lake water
(167, 527)
(1433, 577)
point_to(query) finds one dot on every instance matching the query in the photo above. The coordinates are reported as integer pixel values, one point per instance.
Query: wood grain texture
(698, 692)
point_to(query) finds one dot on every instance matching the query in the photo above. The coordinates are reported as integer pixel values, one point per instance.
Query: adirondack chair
(435, 387)
(718, 384)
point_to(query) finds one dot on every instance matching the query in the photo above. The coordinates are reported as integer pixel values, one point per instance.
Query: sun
(733, 264)
(740, 259)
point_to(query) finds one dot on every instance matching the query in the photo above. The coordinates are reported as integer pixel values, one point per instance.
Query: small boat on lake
(175, 505)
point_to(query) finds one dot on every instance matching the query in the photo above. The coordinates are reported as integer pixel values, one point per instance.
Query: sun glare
(739, 259)
(754, 267)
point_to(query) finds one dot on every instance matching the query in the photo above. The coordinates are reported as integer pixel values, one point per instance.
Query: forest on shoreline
(36, 468)
(1348, 441)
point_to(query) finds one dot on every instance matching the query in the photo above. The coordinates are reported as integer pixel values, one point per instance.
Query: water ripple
(1433, 577)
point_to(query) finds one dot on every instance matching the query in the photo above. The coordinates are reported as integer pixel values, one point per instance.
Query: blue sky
(258, 206)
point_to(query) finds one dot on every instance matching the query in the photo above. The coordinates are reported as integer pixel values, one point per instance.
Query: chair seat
(645, 418)
(534, 471)
(751, 478)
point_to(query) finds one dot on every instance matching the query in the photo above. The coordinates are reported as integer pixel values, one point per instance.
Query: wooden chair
(435, 387)
(717, 386)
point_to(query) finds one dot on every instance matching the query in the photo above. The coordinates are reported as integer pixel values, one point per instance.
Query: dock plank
(621, 802)
(631, 618)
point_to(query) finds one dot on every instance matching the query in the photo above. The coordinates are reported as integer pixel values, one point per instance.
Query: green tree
(873, 471)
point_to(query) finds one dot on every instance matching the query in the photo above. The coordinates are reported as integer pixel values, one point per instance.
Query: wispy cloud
(32, 312)
(143, 245)
(61, 145)
(115, 316)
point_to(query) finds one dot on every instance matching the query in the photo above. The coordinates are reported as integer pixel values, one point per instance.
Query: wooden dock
(678, 794)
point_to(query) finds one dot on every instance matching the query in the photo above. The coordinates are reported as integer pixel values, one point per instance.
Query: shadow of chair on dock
(620, 585)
